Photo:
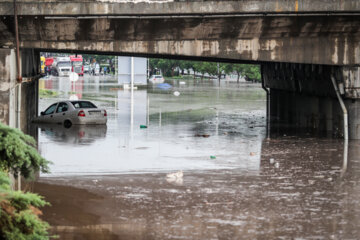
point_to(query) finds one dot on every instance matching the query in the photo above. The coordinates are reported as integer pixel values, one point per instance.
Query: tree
(186, 65)
(252, 72)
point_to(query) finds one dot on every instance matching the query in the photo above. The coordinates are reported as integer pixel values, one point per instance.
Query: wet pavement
(110, 182)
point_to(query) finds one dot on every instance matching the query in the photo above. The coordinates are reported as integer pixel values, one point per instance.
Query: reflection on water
(283, 188)
(233, 118)
(74, 135)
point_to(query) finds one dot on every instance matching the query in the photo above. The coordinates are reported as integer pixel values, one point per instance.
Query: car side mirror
(42, 113)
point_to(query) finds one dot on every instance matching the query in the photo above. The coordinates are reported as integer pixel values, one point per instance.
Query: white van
(63, 66)
(97, 69)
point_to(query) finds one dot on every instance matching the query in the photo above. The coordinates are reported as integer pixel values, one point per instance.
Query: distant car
(154, 79)
(97, 69)
(86, 68)
(73, 112)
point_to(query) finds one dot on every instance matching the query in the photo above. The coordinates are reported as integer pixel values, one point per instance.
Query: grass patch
(46, 93)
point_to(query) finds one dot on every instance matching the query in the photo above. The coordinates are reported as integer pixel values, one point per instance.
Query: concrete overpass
(300, 44)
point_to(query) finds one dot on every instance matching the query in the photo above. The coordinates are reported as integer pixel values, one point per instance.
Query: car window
(62, 107)
(51, 109)
(83, 104)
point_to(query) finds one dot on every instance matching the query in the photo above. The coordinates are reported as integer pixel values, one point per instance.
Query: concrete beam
(165, 7)
(312, 40)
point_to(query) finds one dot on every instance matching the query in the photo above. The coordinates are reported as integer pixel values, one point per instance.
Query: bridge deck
(164, 7)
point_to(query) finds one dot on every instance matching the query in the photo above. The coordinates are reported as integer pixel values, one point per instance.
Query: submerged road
(110, 182)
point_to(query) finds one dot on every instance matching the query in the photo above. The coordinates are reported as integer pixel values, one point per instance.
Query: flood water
(109, 182)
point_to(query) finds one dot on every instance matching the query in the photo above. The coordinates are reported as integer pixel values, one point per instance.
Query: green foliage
(19, 214)
(167, 67)
(249, 71)
(19, 211)
(18, 153)
(45, 93)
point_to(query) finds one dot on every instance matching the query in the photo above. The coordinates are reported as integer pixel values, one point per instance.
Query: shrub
(19, 212)
(18, 153)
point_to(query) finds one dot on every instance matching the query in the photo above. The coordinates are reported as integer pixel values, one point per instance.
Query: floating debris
(202, 135)
(175, 175)
(143, 126)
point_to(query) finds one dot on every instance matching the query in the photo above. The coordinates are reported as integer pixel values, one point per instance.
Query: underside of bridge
(300, 48)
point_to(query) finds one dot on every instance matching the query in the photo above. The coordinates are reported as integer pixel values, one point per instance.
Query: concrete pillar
(292, 112)
(12, 113)
(302, 99)
(30, 70)
(7, 86)
(350, 82)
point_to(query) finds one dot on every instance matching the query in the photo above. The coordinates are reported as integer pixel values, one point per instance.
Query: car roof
(70, 101)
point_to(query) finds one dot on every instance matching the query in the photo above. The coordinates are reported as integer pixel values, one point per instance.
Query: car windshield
(83, 104)
(77, 63)
(64, 64)
(51, 109)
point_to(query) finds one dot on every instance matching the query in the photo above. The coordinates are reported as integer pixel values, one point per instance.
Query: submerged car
(154, 79)
(73, 112)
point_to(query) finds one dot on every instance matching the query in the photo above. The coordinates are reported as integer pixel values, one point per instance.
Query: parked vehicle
(42, 62)
(62, 66)
(97, 69)
(87, 68)
(77, 65)
(48, 63)
(73, 112)
(155, 79)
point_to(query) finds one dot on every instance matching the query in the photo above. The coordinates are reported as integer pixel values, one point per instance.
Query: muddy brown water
(110, 182)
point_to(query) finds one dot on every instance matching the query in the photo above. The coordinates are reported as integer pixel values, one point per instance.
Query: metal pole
(17, 44)
(218, 72)
(267, 103)
(345, 113)
(132, 73)
(132, 97)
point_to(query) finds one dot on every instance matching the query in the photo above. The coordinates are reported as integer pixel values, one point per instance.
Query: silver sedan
(73, 112)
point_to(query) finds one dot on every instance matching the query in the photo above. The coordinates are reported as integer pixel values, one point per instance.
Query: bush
(18, 153)
(19, 212)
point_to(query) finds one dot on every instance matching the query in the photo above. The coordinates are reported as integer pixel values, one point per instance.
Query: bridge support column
(18, 101)
(303, 99)
(350, 82)
(292, 112)
(7, 87)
